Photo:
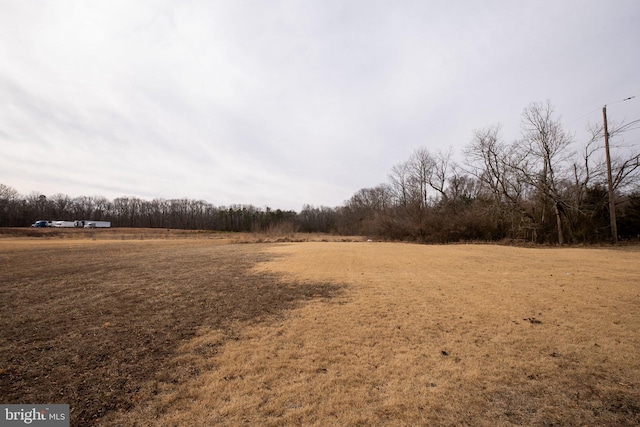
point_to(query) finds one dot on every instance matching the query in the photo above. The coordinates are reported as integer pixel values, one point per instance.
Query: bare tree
(544, 149)
(420, 167)
(494, 164)
(9, 200)
(102, 207)
(625, 164)
(491, 161)
(399, 183)
(462, 188)
(443, 168)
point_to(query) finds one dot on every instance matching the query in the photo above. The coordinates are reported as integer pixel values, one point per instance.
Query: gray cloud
(285, 103)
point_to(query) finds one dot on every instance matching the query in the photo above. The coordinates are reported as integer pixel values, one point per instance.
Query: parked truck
(97, 224)
(65, 224)
(71, 224)
(41, 224)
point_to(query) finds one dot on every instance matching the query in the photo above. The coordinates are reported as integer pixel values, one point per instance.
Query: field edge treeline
(542, 188)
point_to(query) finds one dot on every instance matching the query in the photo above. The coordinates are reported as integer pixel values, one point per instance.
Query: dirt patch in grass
(98, 324)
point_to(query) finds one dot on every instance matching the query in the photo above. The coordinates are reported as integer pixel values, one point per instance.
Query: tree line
(544, 187)
(19, 211)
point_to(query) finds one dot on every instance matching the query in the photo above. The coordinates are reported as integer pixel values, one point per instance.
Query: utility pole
(612, 203)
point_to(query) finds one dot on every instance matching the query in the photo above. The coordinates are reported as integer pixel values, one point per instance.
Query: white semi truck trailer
(63, 224)
(73, 224)
(97, 224)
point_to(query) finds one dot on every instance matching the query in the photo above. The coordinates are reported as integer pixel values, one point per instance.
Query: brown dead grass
(98, 324)
(389, 334)
(271, 235)
(431, 335)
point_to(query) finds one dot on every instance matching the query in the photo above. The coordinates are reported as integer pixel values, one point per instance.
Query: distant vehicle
(71, 224)
(41, 224)
(64, 224)
(97, 224)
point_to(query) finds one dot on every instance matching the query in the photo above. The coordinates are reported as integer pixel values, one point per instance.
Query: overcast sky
(286, 103)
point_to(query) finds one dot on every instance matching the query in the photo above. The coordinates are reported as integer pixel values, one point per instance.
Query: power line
(599, 109)
(585, 115)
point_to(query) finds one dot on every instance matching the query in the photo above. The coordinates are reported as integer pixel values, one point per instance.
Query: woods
(545, 187)
(20, 211)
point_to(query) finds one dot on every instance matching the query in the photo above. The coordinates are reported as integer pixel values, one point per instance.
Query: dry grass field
(204, 329)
